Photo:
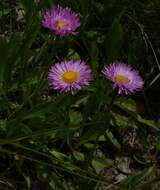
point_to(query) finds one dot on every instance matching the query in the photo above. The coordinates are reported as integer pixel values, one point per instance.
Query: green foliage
(72, 142)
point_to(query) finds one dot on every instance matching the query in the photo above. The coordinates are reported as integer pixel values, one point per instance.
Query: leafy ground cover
(93, 138)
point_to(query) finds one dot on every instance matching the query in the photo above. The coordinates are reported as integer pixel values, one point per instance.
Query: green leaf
(64, 160)
(2, 124)
(100, 163)
(89, 145)
(73, 55)
(132, 181)
(38, 114)
(113, 139)
(75, 117)
(78, 155)
(129, 107)
(27, 179)
(90, 135)
(126, 103)
(147, 122)
(123, 121)
(60, 156)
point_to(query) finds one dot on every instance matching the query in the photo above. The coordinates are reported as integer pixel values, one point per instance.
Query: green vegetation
(94, 139)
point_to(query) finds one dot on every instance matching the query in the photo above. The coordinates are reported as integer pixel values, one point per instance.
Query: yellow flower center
(70, 76)
(120, 79)
(61, 24)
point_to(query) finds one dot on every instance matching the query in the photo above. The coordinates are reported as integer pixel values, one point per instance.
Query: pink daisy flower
(124, 77)
(69, 75)
(62, 21)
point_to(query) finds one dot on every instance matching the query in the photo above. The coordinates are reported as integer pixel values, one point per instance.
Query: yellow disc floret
(70, 76)
(61, 24)
(120, 79)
